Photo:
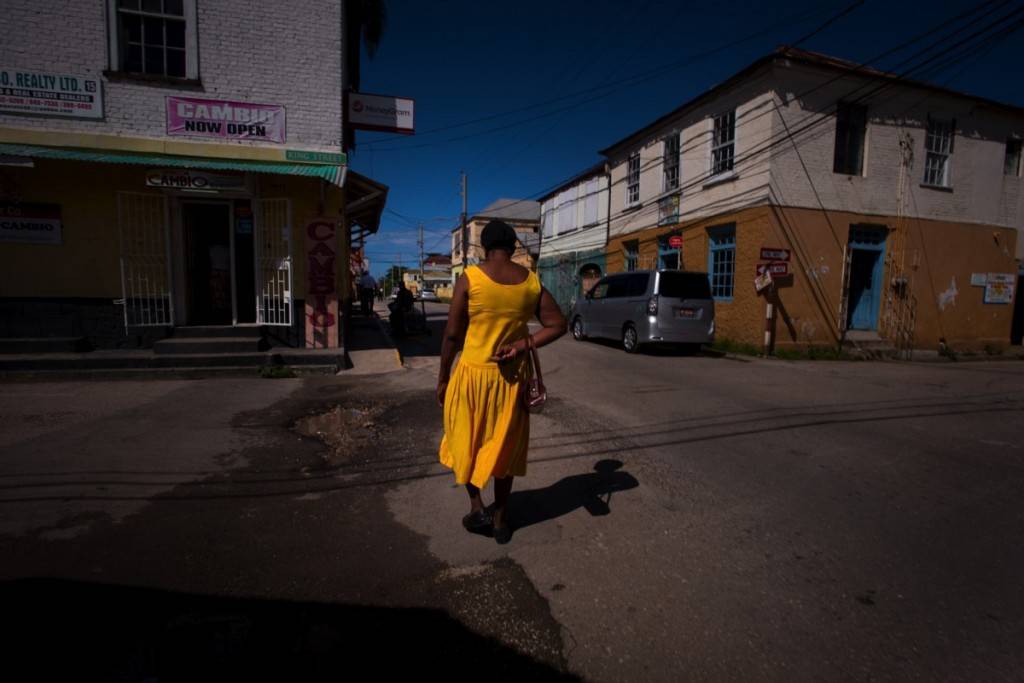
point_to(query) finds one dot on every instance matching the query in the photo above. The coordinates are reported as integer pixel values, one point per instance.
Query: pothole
(346, 430)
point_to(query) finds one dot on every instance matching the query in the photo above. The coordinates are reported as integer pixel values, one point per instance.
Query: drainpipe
(608, 216)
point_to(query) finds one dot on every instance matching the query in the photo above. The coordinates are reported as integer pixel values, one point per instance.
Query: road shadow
(366, 333)
(425, 342)
(592, 491)
(72, 630)
(655, 349)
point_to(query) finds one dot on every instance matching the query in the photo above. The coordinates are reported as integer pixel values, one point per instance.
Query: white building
(190, 158)
(896, 202)
(574, 231)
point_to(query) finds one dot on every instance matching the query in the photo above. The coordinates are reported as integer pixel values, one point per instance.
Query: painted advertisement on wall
(322, 321)
(24, 91)
(30, 223)
(225, 119)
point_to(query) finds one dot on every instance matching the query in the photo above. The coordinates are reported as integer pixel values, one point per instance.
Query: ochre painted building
(165, 190)
(891, 217)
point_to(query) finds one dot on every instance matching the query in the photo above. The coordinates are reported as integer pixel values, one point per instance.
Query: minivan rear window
(684, 285)
(638, 284)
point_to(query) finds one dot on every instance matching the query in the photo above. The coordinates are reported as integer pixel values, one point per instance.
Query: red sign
(675, 241)
(768, 254)
(776, 269)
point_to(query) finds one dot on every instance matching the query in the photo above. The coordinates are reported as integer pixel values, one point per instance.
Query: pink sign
(225, 119)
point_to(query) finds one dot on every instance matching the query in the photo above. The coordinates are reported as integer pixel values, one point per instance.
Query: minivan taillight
(652, 305)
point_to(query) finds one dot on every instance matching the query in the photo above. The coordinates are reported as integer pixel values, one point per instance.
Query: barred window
(938, 144)
(723, 143)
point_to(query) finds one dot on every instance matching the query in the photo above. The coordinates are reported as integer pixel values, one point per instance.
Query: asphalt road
(684, 518)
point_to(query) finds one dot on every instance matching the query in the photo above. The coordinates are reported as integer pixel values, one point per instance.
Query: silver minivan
(647, 307)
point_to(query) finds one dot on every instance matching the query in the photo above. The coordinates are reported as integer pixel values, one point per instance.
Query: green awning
(332, 174)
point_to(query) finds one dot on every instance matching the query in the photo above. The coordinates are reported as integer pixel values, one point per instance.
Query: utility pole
(465, 234)
(423, 304)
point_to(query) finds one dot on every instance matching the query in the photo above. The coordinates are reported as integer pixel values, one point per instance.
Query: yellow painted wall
(87, 264)
(808, 301)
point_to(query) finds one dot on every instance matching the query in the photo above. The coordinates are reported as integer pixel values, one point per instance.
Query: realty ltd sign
(191, 116)
(49, 94)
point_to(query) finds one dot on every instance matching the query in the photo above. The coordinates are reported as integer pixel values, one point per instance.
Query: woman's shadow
(592, 492)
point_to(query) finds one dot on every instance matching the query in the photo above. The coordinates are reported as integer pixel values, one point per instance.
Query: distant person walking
(486, 425)
(366, 287)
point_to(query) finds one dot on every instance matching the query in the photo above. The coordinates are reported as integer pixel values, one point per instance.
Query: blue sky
(463, 61)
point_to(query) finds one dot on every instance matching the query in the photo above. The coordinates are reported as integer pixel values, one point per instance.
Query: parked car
(428, 295)
(647, 307)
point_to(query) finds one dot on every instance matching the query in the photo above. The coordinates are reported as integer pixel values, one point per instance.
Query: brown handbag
(534, 393)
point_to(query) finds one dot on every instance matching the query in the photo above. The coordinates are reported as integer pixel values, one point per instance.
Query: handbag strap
(534, 357)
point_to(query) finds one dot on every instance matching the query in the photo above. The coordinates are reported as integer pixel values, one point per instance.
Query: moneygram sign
(381, 112)
(190, 116)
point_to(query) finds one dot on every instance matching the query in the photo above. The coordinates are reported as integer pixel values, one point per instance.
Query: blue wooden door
(865, 289)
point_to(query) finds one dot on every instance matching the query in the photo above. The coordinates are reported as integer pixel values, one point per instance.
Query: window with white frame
(723, 143)
(154, 37)
(567, 211)
(590, 192)
(938, 146)
(633, 179)
(722, 260)
(1011, 164)
(631, 254)
(670, 163)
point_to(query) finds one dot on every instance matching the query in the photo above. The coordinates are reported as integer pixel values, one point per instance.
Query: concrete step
(44, 345)
(217, 331)
(207, 345)
(156, 373)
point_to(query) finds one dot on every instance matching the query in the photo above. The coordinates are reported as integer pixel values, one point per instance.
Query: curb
(387, 335)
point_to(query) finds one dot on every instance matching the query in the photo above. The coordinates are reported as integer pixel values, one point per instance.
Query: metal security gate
(274, 262)
(145, 260)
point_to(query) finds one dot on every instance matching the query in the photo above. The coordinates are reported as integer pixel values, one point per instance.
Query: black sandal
(478, 522)
(502, 534)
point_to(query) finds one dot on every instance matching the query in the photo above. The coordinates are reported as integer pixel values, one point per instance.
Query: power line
(627, 82)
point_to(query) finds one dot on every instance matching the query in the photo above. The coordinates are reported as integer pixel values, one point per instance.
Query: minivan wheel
(630, 341)
(577, 329)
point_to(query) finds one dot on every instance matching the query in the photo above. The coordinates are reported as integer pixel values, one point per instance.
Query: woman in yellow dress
(486, 425)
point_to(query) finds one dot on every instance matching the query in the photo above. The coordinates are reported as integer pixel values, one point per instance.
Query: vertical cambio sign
(321, 284)
(190, 116)
(30, 223)
(32, 92)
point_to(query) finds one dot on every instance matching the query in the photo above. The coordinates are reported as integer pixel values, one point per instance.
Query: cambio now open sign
(191, 116)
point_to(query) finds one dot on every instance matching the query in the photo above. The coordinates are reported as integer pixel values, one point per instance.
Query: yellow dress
(486, 427)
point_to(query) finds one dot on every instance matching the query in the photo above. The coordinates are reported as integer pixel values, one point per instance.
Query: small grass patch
(993, 350)
(276, 372)
(735, 347)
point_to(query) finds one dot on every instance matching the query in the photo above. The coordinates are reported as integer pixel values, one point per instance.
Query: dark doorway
(864, 289)
(208, 262)
(245, 264)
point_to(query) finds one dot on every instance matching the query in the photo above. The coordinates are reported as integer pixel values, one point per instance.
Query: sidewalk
(370, 349)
